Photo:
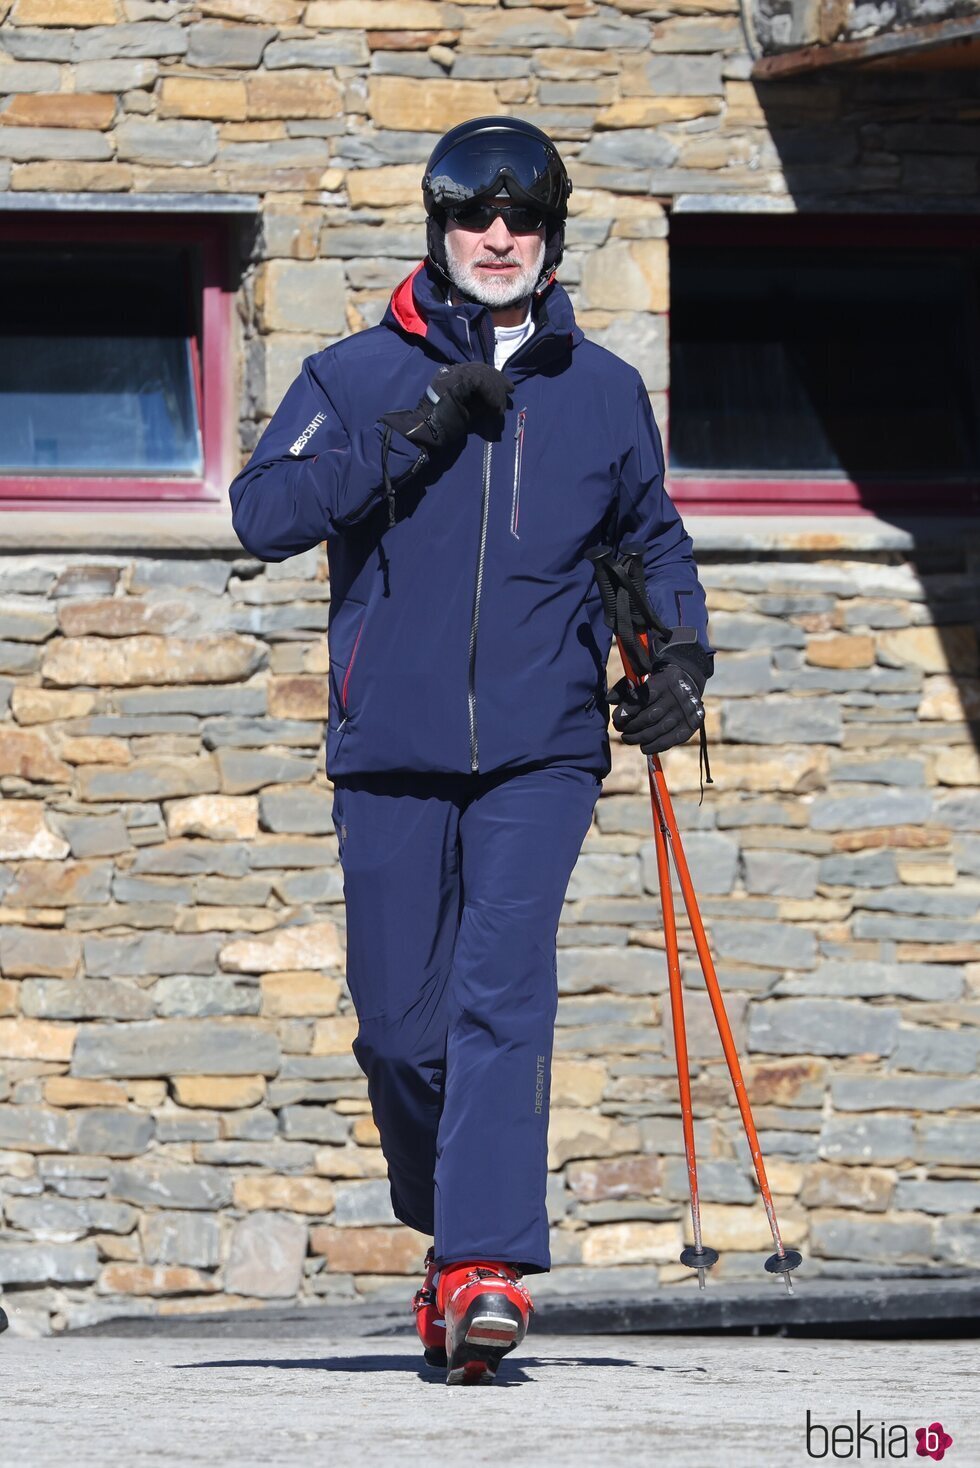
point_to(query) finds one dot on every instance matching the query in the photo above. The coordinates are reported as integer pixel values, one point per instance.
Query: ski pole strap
(704, 768)
(640, 632)
(627, 609)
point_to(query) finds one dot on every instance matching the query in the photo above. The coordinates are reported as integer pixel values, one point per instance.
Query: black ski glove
(454, 399)
(664, 711)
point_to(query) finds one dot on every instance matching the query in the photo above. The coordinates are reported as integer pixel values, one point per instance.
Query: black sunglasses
(519, 218)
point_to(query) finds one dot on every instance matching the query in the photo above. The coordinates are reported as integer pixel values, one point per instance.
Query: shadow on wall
(837, 345)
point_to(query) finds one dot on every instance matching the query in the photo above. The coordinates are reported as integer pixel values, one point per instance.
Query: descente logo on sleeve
(297, 448)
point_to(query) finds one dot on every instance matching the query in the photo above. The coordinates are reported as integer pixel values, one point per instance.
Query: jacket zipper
(518, 458)
(474, 747)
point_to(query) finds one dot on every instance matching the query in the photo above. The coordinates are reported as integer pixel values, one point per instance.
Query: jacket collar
(419, 311)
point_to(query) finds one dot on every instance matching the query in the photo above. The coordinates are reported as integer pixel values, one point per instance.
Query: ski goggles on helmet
(492, 157)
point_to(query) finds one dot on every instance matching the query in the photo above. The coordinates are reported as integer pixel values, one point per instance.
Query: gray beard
(498, 295)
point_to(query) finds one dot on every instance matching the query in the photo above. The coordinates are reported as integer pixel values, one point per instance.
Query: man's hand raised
(456, 398)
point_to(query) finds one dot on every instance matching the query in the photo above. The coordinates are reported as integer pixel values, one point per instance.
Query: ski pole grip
(642, 609)
(601, 557)
(633, 563)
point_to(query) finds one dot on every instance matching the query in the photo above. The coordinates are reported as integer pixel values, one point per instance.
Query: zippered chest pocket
(515, 505)
(561, 485)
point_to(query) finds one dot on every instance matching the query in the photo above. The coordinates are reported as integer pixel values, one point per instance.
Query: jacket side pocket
(344, 635)
(345, 686)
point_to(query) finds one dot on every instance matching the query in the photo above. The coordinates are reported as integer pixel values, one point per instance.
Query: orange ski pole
(628, 611)
(698, 1257)
(784, 1260)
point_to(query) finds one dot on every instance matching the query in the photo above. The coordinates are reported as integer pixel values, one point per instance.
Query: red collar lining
(403, 306)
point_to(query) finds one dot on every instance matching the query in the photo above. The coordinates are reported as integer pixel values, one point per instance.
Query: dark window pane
(96, 369)
(839, 361)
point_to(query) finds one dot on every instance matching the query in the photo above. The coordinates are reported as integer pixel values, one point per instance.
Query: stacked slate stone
(327, 110)
(183, 1126)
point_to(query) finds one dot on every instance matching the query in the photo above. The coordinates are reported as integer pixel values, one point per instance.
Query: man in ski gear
(467, 736)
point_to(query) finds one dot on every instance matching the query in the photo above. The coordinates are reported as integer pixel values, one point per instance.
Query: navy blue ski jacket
(467, 636)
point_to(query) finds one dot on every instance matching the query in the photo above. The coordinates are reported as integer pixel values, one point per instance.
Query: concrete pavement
(114, 1402)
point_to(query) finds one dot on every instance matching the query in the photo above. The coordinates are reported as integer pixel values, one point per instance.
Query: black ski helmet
(485, 157)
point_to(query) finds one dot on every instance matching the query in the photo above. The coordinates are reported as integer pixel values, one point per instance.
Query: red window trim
(211, 361)
(799, 495)
(810, 494)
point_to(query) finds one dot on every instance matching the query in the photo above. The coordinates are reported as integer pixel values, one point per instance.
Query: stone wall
(327, 109)
(182, 1124)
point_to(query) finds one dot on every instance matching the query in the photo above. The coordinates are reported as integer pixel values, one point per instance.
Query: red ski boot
(486, 1311)
(428, 1317)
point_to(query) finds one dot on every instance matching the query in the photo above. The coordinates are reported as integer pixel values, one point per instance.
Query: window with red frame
(113, 361)
(825, 365)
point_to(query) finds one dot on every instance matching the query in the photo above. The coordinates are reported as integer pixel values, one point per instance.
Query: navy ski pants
(454, 886)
